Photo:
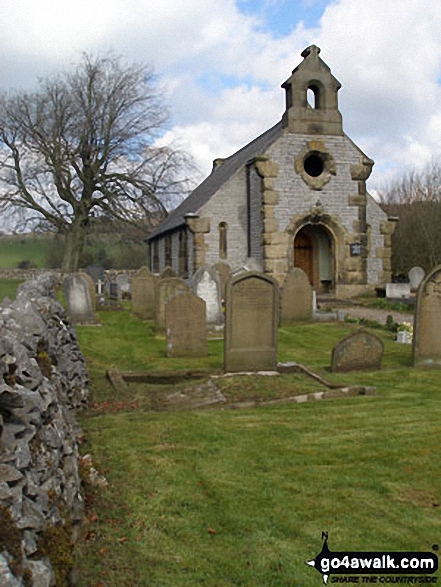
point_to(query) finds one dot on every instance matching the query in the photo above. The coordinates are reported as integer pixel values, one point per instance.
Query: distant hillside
(26, 250)
(40, 251)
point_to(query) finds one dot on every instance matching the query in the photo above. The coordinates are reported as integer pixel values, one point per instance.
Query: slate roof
(216, 180)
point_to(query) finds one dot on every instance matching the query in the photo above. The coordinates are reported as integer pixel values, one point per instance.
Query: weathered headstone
(168, 272)
(96, 272)
(112, 290)
(92, 288)
(397, 291)
(166, 289)
(296, 297)
(416, 276)
(250, 337)
(359, 351)
(124, 286)
(224, 272)
(143, 293)
(185, 325)
(249, 264)
(79, 306)
(427, 323)
(205, 284)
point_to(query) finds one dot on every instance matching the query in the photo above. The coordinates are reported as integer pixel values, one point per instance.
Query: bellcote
(322, 116)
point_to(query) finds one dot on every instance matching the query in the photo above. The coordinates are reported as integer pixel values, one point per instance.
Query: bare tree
(415, 198)
(84, 145)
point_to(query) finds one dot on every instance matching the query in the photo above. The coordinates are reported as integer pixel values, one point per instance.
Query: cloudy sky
(222, 62)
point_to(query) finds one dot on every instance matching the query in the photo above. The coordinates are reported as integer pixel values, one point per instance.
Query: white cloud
(388, 59)
(386, 55)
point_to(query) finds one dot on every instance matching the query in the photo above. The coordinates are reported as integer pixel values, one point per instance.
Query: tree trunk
(74, 247)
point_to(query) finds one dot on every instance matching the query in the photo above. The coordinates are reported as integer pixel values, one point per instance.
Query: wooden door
(303, 254)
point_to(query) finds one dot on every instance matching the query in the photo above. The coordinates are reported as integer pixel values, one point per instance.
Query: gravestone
(205, 284)
(96, 272)
(296, 297)
(112, 290)
(166, 289)
(143, 293)
(168, 272)
(79, 305)
(427, 323)
(224, 272)
(124, 286)
(416, 276)
(92, 288)
(185, 325)
(250, 336)
(359, 351)
(249, 264)
(397, 291)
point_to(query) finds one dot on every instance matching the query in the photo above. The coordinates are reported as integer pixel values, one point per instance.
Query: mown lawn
(240, 498)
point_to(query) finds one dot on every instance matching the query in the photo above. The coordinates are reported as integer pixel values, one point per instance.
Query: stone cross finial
(311, 50)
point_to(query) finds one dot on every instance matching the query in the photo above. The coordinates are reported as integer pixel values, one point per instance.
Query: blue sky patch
(282, 16)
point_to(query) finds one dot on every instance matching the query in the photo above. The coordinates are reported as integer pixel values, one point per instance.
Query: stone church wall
(375, 216)
(297, 198)
(256, 224)
(43, 379)
(228, 205)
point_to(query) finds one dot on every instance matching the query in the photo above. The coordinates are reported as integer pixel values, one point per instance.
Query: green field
(19, 249)
(240, 497)
(43, 251)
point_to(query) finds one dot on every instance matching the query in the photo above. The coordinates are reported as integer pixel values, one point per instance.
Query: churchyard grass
(240, 497)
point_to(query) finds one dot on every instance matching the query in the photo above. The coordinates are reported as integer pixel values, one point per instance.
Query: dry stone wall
(43, 378)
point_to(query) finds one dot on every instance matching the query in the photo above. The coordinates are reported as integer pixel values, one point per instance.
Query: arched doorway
(314, 253)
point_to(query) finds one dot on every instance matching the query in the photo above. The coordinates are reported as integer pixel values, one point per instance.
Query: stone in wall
(43, 378)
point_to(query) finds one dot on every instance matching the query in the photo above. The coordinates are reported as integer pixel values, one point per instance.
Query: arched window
(183, 253)
(223, 240)
(168, 250)
(313, 97)
(155, 255)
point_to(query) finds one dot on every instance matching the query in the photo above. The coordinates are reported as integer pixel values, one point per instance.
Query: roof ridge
(222, 173)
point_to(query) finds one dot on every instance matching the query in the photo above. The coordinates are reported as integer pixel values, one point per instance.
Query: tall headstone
(112, 290)
(205, 284)
(92, 288)
(416, 276)
(124, 286)
(185, 325)
(96, 272)
(224, 272)
(79, 305)
(296, 297)
(168, 272)
(359, 351)
(143, 293)
(250, 337)
(165, 290)
(427, 322)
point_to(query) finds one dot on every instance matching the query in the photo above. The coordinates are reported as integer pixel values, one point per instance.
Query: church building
(293, 197)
